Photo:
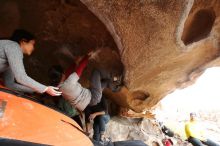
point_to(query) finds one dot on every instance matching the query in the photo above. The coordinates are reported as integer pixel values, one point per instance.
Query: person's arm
(78, 69)
(70, 70)
(82, 64)
(92, 116)
(15, 61)
(9, 82)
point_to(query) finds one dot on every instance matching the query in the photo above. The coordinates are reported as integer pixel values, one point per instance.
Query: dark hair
(22, 35)
(192, 114)
(55, 74)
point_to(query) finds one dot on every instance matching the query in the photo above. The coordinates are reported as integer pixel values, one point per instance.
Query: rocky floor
(120, 128)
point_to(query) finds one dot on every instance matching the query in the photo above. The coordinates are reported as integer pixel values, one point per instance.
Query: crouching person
(98, 115)
(81, 97)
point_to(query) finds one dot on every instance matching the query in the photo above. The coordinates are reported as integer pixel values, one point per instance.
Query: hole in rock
(198, 26)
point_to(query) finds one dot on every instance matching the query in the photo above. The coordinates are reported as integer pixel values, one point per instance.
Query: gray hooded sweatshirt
(72, 91)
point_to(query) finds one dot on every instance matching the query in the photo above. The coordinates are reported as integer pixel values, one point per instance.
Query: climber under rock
(81, 97)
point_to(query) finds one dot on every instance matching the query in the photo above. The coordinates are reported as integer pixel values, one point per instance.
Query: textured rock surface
(137, 129)
(151, 35)
(64, 29)
(163, 45)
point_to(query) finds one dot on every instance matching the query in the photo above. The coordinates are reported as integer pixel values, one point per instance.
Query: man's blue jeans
(197, 142)
(99, 126)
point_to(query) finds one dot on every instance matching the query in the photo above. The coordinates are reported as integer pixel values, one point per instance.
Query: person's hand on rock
(93, 54)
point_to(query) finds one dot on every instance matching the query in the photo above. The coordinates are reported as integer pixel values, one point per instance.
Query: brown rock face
(64, 29)
(163, 45)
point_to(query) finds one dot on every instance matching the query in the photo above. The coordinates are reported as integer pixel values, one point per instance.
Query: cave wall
(64, 30)
(163, 45)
